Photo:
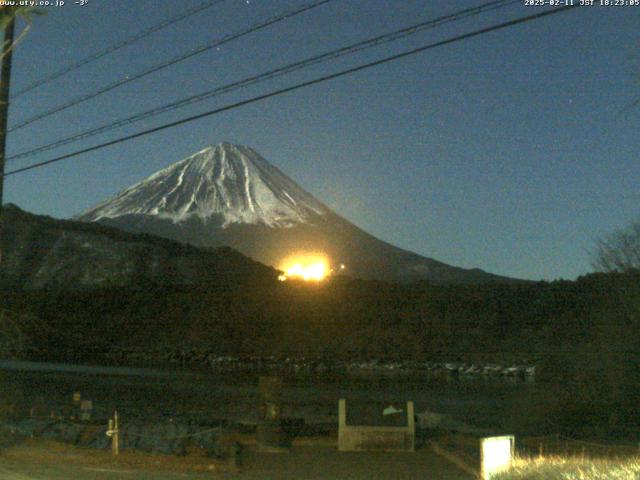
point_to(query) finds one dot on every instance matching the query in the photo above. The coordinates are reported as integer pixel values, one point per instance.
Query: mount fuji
(230, 195)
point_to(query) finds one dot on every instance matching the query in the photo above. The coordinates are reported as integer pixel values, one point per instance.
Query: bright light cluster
(315, 271)
(308, 267)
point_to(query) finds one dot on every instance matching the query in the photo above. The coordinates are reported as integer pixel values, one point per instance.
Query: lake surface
(206, 397)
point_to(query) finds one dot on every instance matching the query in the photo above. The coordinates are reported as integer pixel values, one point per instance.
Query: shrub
(13, 341)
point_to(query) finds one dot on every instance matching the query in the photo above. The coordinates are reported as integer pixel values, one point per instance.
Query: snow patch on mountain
(228, 181)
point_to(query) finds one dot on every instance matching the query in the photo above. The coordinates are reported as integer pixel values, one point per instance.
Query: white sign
(496, 454)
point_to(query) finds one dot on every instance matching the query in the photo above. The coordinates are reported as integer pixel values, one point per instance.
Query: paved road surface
(301, 463)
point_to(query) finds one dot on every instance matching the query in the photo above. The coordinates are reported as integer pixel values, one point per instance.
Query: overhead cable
(114, 48)
(298, 86)
(287, 69)
(180, 58)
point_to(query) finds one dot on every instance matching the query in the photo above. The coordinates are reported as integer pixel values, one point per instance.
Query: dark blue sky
(509, 152)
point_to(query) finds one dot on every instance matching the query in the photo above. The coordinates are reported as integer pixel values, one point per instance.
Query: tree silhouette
(619, 251)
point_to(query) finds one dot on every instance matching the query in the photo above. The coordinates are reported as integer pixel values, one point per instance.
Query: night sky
(510, 152)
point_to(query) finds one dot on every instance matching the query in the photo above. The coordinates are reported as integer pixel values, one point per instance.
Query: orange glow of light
(308, 267)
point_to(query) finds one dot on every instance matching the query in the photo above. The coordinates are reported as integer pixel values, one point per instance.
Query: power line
(173, 61)
(331, 55)
(297, 87)
(124, 43)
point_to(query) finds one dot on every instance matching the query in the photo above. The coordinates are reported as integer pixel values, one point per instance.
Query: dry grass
(573, 468)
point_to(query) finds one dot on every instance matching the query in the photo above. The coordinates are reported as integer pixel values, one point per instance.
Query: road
(300, 463)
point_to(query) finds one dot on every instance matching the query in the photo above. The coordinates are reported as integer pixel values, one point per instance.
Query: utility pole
(5, 78)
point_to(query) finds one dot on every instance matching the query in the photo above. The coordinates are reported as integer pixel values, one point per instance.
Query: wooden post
(411, 424)
(268, 430)
(86, 409)
(116, 436)
(112, 431)
(5, 78)
(342, 413)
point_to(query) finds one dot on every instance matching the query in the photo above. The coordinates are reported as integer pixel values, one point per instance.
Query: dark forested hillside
(582, 335)
(348, 318)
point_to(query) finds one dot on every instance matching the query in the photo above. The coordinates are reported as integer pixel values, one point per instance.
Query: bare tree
(618, 251)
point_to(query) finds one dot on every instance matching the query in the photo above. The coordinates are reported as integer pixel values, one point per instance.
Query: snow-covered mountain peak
(227, 181)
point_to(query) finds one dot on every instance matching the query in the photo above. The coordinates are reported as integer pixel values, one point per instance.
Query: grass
(572, 468)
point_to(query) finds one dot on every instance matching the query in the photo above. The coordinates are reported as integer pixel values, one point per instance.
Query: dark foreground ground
(34, 461)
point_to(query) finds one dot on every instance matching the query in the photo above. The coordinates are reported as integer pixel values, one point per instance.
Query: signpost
(114, 433)
(86, 408)
(269, 429)
(496, 454)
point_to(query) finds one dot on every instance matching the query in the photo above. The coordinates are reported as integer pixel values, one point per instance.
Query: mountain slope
(230, 195)
(44, 253)
(230, 182)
